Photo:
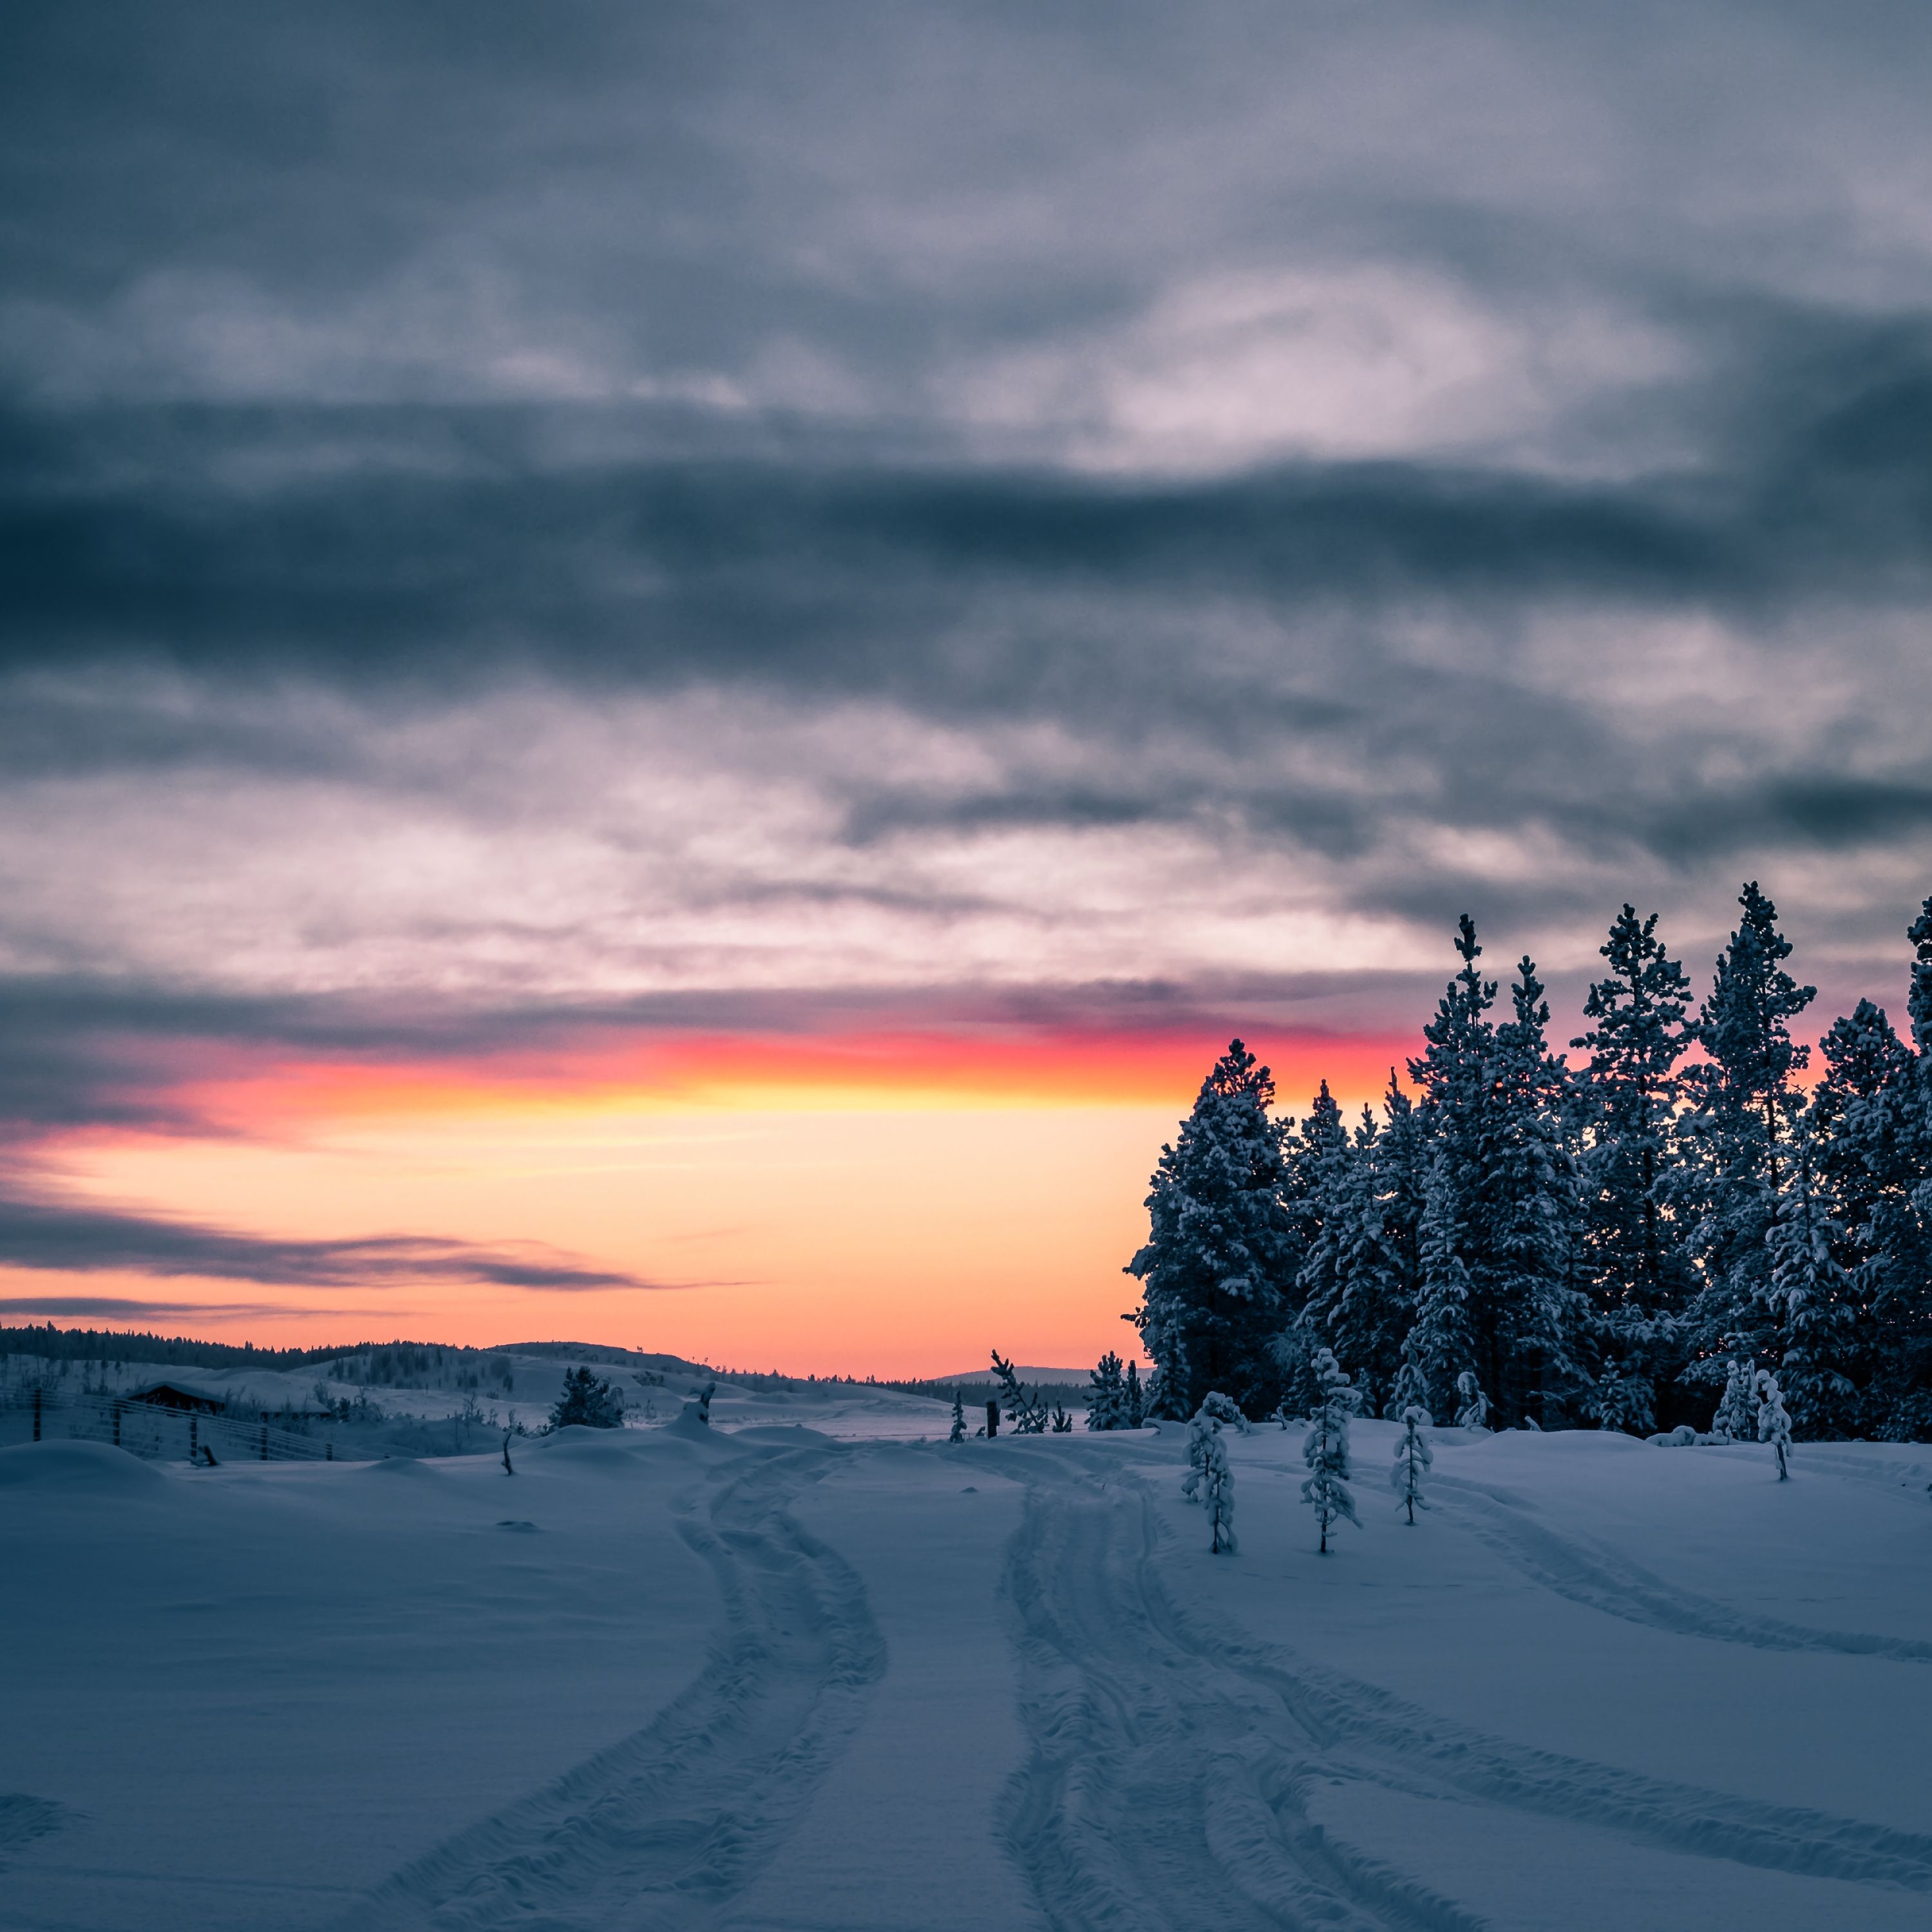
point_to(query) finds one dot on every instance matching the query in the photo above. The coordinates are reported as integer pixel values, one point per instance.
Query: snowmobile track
(1600, 1578)
(662, 1829)
(1172, 1764)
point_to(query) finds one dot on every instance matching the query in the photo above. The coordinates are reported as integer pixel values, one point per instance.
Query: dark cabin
(172, 1395)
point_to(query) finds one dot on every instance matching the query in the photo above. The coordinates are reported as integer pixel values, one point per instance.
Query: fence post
(193, 1436)
(37, 1412)
(115, 1407)
(265, 1442)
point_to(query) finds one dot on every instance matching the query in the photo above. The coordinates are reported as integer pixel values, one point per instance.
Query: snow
(786, 1674)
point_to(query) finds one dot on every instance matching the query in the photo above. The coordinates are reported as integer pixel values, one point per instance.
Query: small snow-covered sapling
(1774, 1426)
(1209, 1479)
(959, 1418)
(1220, 1480)
(1734, 1420)
(1326, 1449)
(1412, 1456)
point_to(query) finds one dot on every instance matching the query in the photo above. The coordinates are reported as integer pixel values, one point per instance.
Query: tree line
(1610, 1242)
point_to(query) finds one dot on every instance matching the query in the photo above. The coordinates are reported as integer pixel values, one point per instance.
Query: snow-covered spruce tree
(1873, 1112)
(1223, 1251)
(1633, 1268)
(958, 1434)
(1215, 1412)
(585, 1402)
(1107, 1399)
(1725, 1185)
(1498, 1237)
(1326, 1449)
(1413, 1456)
(1439, 1345)
(1472, 1406)
(1136, 1410)
(1774, 1426)
(1811, 1295)
(1359, 1281)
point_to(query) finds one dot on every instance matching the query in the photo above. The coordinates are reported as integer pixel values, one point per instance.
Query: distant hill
(1056, 1378)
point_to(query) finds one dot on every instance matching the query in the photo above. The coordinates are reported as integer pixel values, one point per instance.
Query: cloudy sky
(667, 672)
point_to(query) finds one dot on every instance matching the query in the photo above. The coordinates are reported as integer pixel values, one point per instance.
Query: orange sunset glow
(887, 1203)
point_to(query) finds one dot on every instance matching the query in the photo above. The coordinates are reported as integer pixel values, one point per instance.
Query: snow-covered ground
(760, 1677)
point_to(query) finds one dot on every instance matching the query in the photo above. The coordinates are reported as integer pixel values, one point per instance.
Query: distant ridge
(1026, 1374)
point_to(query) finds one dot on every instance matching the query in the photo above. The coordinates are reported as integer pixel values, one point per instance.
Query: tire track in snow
(1600, 1578)
(1162, 1781)
(1171, 1764)
(662, 1829)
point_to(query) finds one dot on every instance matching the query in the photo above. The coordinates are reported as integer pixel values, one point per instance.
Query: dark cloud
(950, 587)
(91, 1240)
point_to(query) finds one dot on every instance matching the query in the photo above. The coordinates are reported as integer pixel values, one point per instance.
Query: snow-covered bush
(958, 1434)
(1412, 1456)
(1225, 1409)
(1326, 1450)
(1774, 1426)
(1474, 1411)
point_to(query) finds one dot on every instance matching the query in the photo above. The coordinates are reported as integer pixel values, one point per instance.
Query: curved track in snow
(1601, 1578)
(665, 1828)
(1172, 1765)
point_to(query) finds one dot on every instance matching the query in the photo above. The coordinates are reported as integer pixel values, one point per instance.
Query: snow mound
(1517, 1444)
(399, 1465)
(794, 1434)
(88, 1468)
(688, 1428)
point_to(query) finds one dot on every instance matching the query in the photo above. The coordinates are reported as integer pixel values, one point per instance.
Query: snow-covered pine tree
(1724, 1188)
(1774, 1426)
(1873, 1116)
(1439, 1345)
(586, 1402)
(958, 1434)
(1359, 1280)
(1499, 1236)
(1811, 1293)
(1413, 1456)
(1634, 1267)
(1326, 1448)
(1531, 1195)
(1136, 1412)
(1472, 1406)
(1223, 1251)
(1107, 1399)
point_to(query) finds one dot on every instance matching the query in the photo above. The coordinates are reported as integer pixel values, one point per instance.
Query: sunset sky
(667, 673)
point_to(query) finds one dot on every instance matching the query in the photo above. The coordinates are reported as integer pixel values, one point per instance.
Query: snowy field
(760, 1678)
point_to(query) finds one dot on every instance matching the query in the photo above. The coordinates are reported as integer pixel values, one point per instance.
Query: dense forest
(1609, 1242)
